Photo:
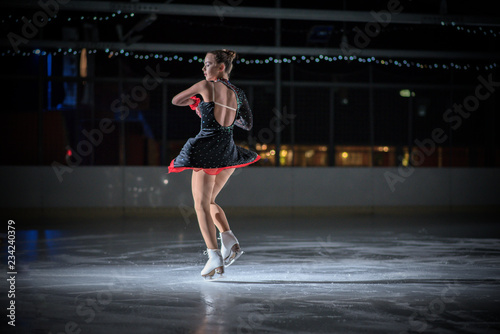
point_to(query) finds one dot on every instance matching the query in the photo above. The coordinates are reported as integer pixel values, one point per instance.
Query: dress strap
(228, 107)
(220, 104)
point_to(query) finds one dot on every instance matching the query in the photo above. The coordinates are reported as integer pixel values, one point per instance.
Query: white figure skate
(230, 248)
(214, 264)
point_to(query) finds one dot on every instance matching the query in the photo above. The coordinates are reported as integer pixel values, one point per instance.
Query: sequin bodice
(213, 147)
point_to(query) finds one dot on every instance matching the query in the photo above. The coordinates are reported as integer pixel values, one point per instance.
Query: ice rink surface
(340, 273)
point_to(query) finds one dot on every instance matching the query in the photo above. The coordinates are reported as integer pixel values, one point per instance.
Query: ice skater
(212, 154)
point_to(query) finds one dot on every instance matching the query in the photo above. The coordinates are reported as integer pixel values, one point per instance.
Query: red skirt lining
(210, 171)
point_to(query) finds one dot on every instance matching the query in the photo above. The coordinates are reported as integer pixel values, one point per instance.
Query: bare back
(225, 103)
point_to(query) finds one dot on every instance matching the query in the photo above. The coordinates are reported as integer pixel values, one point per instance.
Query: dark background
(38, 128)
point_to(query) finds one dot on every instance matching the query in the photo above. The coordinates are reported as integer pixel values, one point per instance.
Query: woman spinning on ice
(212, 154)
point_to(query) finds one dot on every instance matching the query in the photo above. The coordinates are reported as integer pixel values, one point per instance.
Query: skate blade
(214, 274)
(233, 257)
(214, 278)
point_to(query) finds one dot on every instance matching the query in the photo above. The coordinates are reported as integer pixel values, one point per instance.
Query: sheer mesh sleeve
(244, 119)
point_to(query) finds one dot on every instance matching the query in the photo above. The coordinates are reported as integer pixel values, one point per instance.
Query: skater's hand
(195, 105)
(196, 102)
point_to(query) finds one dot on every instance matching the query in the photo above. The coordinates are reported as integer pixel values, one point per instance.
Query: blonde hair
(225, 57)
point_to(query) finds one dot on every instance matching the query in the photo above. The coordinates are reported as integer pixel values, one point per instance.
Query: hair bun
(231, 54)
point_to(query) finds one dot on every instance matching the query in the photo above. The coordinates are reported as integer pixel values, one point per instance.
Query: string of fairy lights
(478, 31)
(422, 64)
(72, 18)
(118, 15)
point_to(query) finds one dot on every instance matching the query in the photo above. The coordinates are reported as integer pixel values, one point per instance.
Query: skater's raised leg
(230, 248)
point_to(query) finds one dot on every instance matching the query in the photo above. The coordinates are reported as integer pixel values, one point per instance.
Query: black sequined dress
(213, 148)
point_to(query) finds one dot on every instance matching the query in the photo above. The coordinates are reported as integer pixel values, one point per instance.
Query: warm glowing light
(264, 146)
(386, 149)
(69, 153)
(345, 155)
(406, 159)
(83, 63)
(272, 152)
(283, 153)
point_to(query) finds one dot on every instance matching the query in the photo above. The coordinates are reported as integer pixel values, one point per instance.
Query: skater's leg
(218, 215)
(202, 186)
(230, 248)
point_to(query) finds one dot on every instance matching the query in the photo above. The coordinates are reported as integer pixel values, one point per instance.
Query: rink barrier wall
(139, 190)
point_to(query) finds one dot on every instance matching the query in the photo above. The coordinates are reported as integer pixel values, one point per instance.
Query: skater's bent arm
(245, 118)
(184, 97)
